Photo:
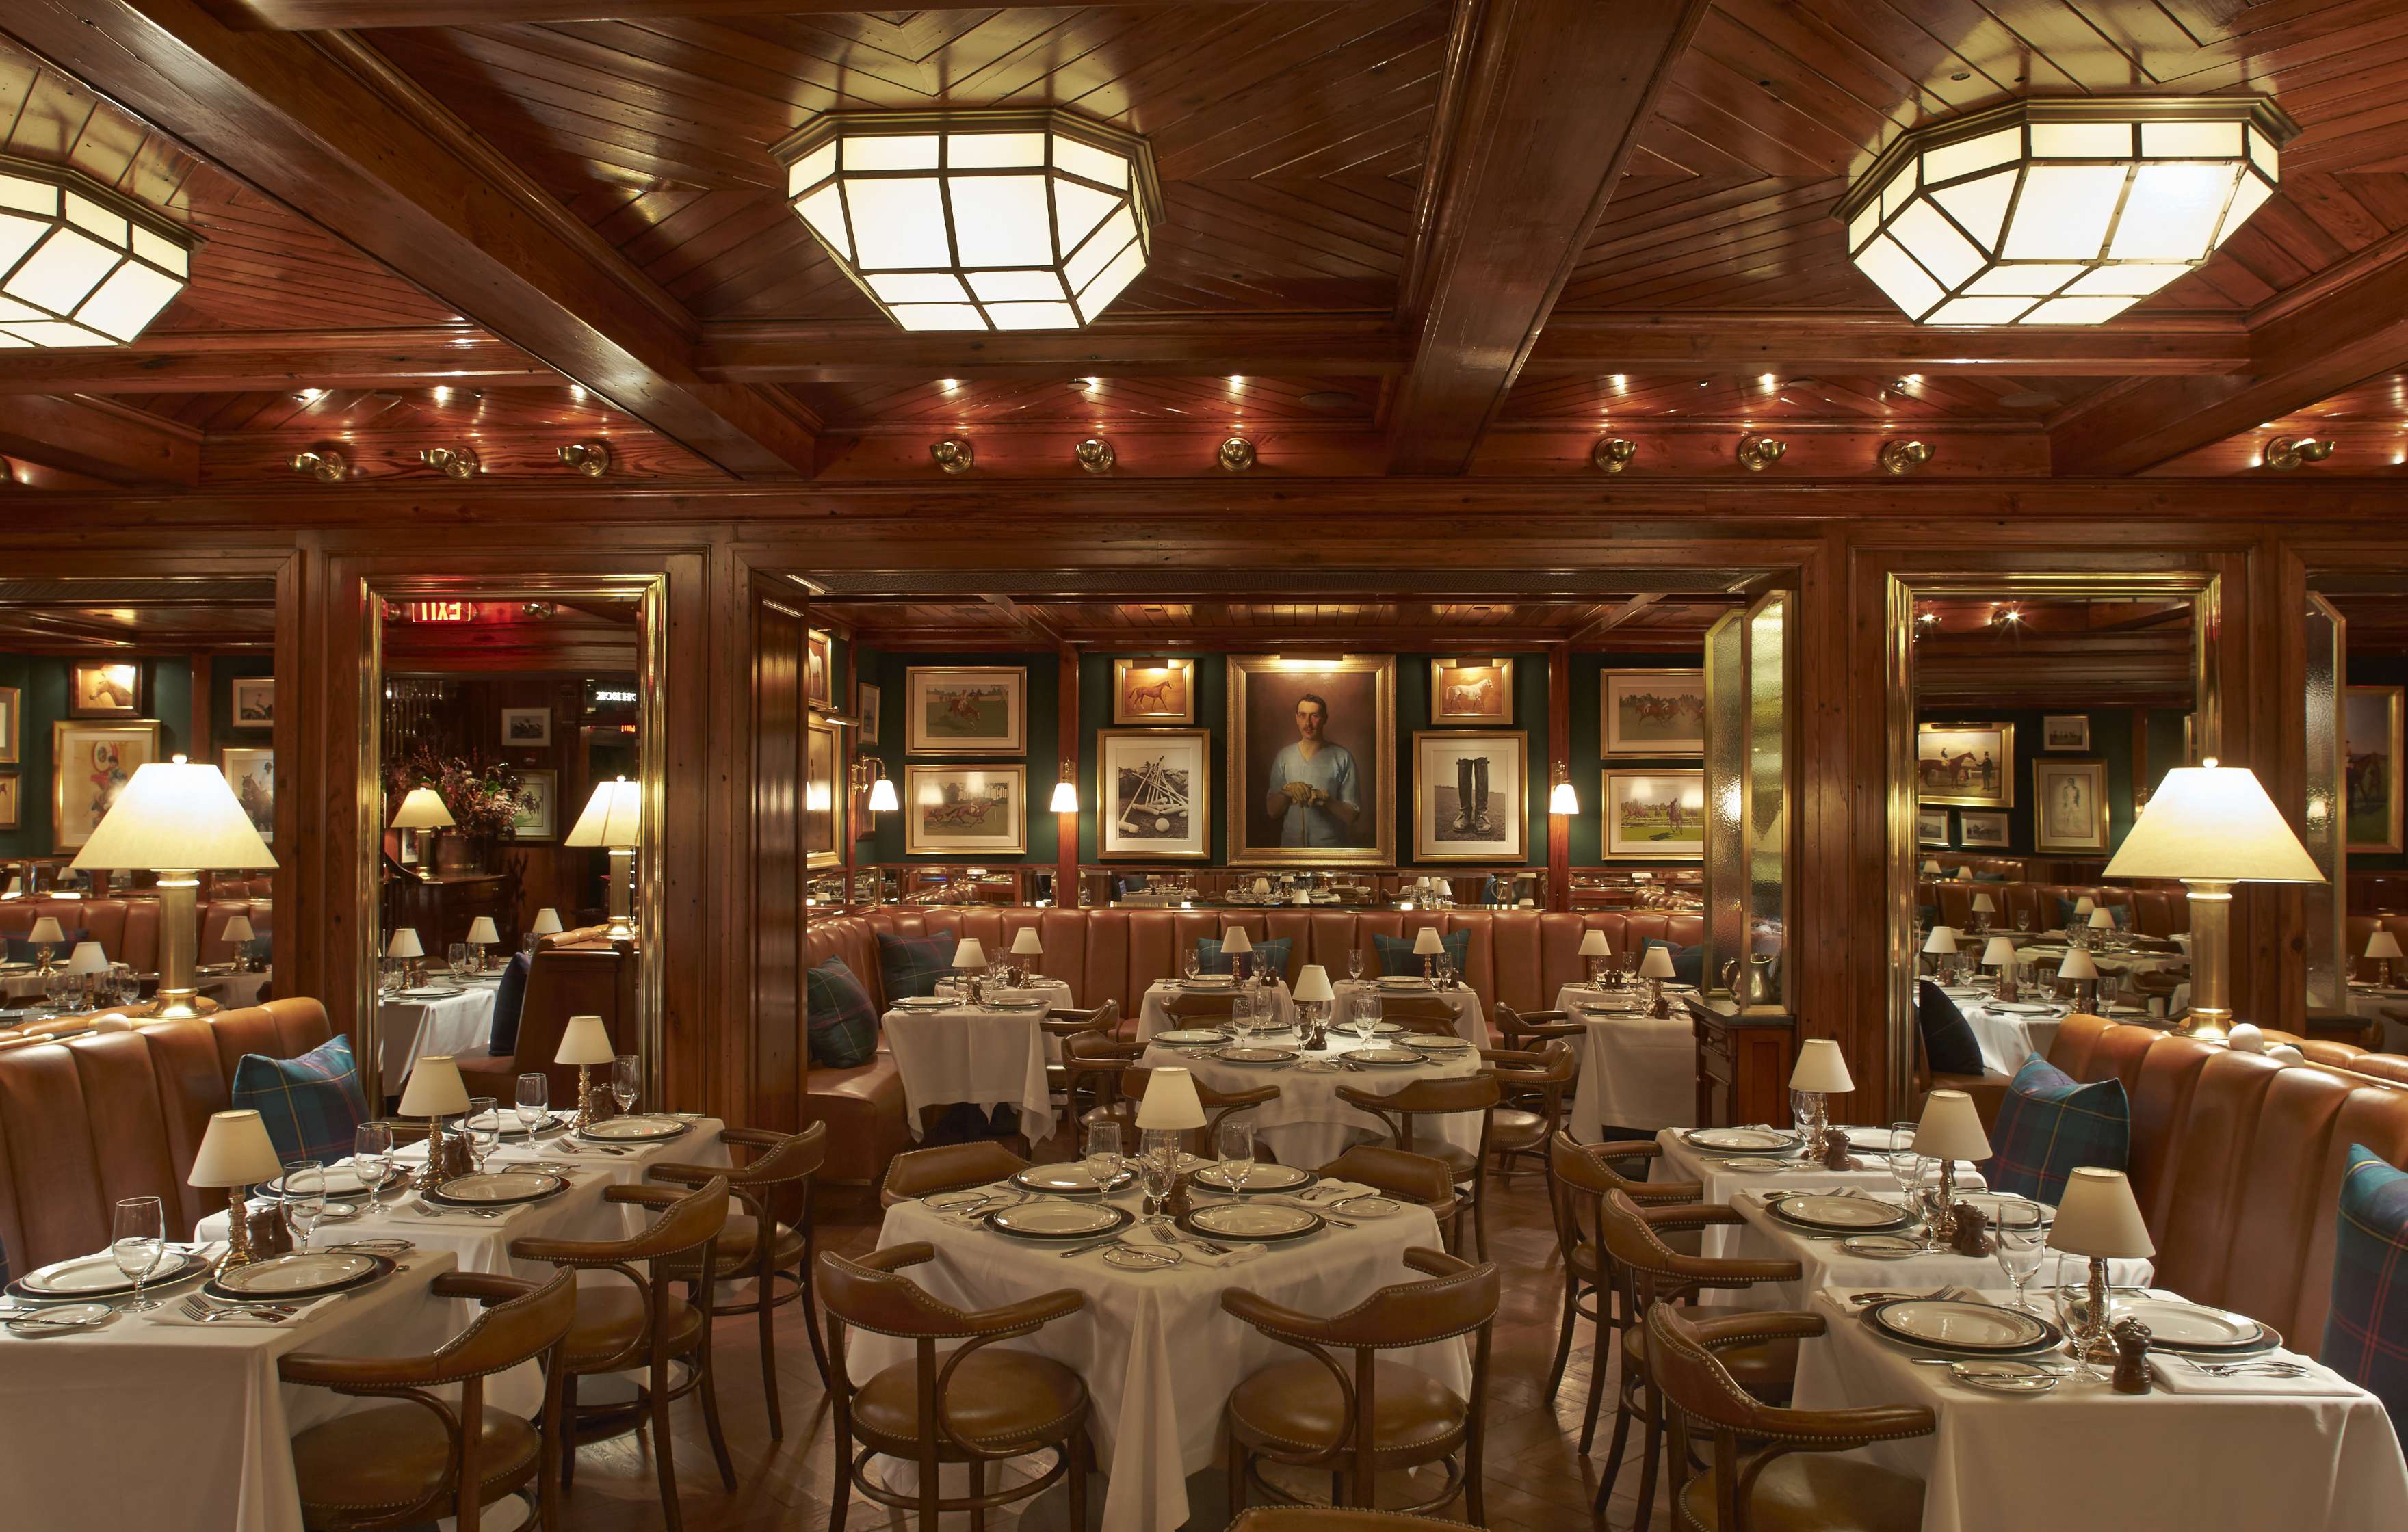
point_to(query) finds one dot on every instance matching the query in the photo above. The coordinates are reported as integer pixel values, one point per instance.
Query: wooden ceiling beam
(359, 15)
(1543, 101)
(250, 362)
(1140, 346)
(1028, 617)
(96, 439)
(326, 124)
(1847, 341)
(1606, 622)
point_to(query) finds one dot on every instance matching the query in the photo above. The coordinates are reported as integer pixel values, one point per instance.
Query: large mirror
(2357, 675)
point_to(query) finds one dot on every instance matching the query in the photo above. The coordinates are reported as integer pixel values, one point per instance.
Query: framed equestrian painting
(1472, 691)
(1966, 766)
(1656, 815)
(961, 709)
(1153, 690)
(1654, 712)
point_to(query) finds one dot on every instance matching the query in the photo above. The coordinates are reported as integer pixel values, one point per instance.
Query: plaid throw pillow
(2366, 1336)
(2048, 1125)
(1948, 1041)
(1266, 954)
(911, 966)
(1397, 953)
(843, 1024)
(311, 1104)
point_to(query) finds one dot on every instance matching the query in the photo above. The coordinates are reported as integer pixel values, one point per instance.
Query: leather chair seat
(610, 1320)
(733, 1254)
(1766, 1368)
(1296, 1405)
(1510, 1128)
(1462, 1162)
(998, 1399)
(397, 1456)
(1816, 1492)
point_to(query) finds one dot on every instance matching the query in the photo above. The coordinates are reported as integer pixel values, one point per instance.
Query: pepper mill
(1972, 1236)
(1835, 1151)
(270, 1234)
(2132, 1357)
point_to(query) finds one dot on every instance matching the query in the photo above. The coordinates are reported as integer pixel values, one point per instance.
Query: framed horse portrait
(1655, 815)
(963, 709)
(1654, 712)
(1153, 690)
(1966, 766)
(1472, 691)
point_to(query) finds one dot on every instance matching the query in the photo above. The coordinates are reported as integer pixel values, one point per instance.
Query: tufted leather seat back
(2155, 912)
(128, 929)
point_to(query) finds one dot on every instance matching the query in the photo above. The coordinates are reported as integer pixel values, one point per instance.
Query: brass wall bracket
(451, 462)
(1757, 454)
(1237, 454)
(953, 455)
(1904, 457)
(1094, 454)
(2285, 453)
(590, 458)
(326, 466)
(1611, 454)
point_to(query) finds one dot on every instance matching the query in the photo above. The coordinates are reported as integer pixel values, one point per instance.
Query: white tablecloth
(1153, 1015)
(236, 990)
(24, 983)
(1471, 1023)
(2006, 1039)
(1159, 1355)
(410, 1028)
(1053, 992)
(987, 1058)
(1308, 1126)
(2083, 1458)
(1636, 1070)
(1683, 1161)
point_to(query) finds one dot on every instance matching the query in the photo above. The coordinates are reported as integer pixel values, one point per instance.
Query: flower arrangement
(482, 795)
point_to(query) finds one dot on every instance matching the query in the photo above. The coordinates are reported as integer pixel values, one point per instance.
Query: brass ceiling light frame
(1235, 455)
(590, 458)
(2285, 453)
(1904, 457)
(1757, 454)
(452, 461)
(1094, 454)
(1613, 455)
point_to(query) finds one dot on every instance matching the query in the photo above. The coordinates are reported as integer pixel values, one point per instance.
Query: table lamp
(1949, 1130)
(1931, 866)
(1429, 948)
(45, 935)
(2084, 905)
(1941, 943)
(2384, 949)
(2084, 974)
(178, 820)
(1235, 944)
(237, 933)
(1821, 1073)
(422, 808)
(2212, 826)
(236, 1153)
(614, 820)
(435, 1092)
(1170, 1109)
(405, 946)
(585, 1043)
(2101, 919)
(1983, 911)
(481, 935)
(83, 963)
(1312, 989)
(2097, 1217)
(1655, 966)
(1595, 949)
(1026, 944)
(2000, 954)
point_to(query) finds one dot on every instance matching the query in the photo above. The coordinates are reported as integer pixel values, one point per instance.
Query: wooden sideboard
(1743, 1062)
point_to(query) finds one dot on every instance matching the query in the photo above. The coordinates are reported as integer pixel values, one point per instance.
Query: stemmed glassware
(2019, 1252)
(1366, 1016)
(1354, 964)
(627, 1081)
(372, 1153)
(462, 958)
(1159, 1166)
(305, 1198)
(2072, 1297)
(1192, 963)
(137, 1243)
(1103, 1158)
(1237, 1154)
(534, 1103)
(484, 1128)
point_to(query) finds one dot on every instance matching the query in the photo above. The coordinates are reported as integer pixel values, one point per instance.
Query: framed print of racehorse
(2370, 740)
(953, 809)
(1654, 712)
(1153, 690)
(1969, 765)
(1660, 815)
(962, 710)
(1472, 691)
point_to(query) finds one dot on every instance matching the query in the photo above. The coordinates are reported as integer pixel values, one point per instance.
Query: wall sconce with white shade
(1561, 798)
(614, 820)
(1065, 790)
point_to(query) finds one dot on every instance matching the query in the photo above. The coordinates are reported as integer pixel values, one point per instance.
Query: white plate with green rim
(1263, 1178)
(1250, 1221)
(1243, 1053)
(633, 1130)
(1193, 1036)
(1050, 1218)
(2197, 1327)
(497, 1189)
(302, 1274)
(1953, 1325)
(1741, 1140)
(1386, 1058)
(1860, 1214)
(97, 1276)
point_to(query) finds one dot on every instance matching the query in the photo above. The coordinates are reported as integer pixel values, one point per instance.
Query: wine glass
(138, 1242)
(627, 1081)
(484, 1128)
(2072, 1301)
(1366, 1016)
(1354, 964)
(2019, 1250)
(1160, 1168)
(1103, 1160)
(535, 1102)
(462, 958)
(1192, 963)
(372, 1153)
(1237, 1154)
(305, 1198)
(2023, 920)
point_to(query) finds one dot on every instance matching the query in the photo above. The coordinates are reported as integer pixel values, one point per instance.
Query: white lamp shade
(87, 958)
(1656, 964)
(177, 815)
(2103, 919)
(405, 944)
(882, 796)
(1950, 1128)
(435, 1088)
(2246, 1038)
(235, 1151)
(1594, 944)
(614, 817)
(1931, 866)
(2214, 822)
(1999, 953)
(1427, 943)
(547, 923)
(1025, 943)
(2382, 944)
(970, 953)
(1820, 1067)
(2077, 965)
(482, 930)
(2097, 1215)
(1066, 799)
(238, 928)
(1171, 1101)
(586, 1042)
(1313, 985)
(1982, 903)
(1942, 939)
(1561, 799)
(1235, 939)
(2084, 905)
(46, 930)
(422, 808)
(1262, 885)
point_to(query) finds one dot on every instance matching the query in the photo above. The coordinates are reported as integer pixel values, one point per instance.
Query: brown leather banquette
(116, 1114)
(579, 973)
(1521, 957)
(128, 929)
(2155, 912)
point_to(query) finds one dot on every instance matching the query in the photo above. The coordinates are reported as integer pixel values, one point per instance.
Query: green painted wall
(2111, 741)
(41, 683)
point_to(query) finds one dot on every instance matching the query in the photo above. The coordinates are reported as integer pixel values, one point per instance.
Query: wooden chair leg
(568, 1434)
(1081, 1459)
(1237, 1478)
(1599, 1369)
(710, 1415)
(978, 1488)
(1480, 1211)
(810, 1303)
(1655, 1413)
(663, 1453)
(768, 1317)
(1564, 1337)
(840, 1494)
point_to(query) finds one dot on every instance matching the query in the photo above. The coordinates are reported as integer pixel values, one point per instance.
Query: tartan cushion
(1688, 963)
(510, 999)
(2048, 1125)
(911, 966)
(1273, 955)
(2366, 1335)
(1397, 953)
(1949, 1045)
(843, 1024)
(311, 1104)
(2067, 919)
(22, 950)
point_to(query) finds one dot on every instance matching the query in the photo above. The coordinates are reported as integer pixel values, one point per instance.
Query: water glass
(1160, 1168)
(1192, 963)
(535, 1102)
(137, 1242)
(462, 957)
(305, 1198)
(627, 1081)
(1366, 1016)
(484, 1128)
(372, 1152)
(2019, 1252)
(1237, 1154)
(2023, 920)
(1354, 964)
(2072, 1295)
(1103, 1160)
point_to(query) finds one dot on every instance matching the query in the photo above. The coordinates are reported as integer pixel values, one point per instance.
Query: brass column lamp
(2384, 947)
(1594, 951)
(435, 1092)
(614, 819)
(46, 937)
(421, 811)
(1949, 1130)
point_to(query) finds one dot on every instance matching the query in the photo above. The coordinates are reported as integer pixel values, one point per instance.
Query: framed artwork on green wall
(1471, 795)
(91, 763)
(1153, 795)
(962, 810)
(9, 812)
(965, 710)
(2370, 740)
(8, 725)
(104, 689)
(2069, 805)
(1969, 765)
(250, 771)
(1655, 814)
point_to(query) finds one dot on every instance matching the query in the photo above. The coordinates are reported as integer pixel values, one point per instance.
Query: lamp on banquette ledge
(614, 819)
(2212, 826)
(180, 820)
(236, 1153)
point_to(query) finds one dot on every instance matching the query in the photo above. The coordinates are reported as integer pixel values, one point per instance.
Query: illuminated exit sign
(439, 611)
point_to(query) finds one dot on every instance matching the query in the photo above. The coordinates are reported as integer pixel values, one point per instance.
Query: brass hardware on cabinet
(1903, 457)
(451, 462)
(1757, 454)
(2284, 453)
(1094, 454)
(953, 455)
(326, 466)
(1611, 454)
(590, 458)
(1237, 454)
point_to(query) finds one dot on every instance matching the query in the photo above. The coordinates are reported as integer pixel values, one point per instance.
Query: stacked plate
(633, 1130)
(97, 1277)
(303, 1274)
(1838, 1214)
(1957, 1327)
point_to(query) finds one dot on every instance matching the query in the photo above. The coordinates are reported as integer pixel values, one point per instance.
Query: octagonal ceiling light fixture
(2060, 212)
(977, 219)
(79, 264)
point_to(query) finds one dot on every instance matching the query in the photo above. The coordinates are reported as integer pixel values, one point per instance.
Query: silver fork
(422, 1211)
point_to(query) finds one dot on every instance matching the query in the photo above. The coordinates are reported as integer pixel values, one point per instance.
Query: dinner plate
(1367, 1205)
(2023, 1008)
(924, 1002)
(1814, 1210)
(1263, 1178)
(1259, 1223)
(343, 1183)
(1193, 1036)
(633, 1130)
(1386, 1058)
(2180, 1326)
(552, 1122)
(1953, 1325)
(1882, 1247)
(1247, 1053)
(1209, 981)
(2005, 1375)
(1436, 1044)
(97, 1277)
(1015, 1007)
(1742, 1140)
(62, 1319)
(1051, 1219)
(302, 1274)
(2013, 1212)
(1070, 1177)
(497, 1189)
(432, 992)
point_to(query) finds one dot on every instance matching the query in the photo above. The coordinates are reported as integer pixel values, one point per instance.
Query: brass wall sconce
(1094, 454)
(1757, 454)
(869, 777)
(326, 466)
(1904, 457)
(2285, 453)
(1236, 455)
(451, 462)
(1611, 454)
(953, 455)
(590, 458)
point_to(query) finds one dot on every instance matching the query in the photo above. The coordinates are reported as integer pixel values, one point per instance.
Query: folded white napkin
(2178, 1375)
(1328, 1192)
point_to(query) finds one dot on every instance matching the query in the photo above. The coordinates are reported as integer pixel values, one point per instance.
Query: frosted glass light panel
(977, 219)
(2061, 212)
(79, 264)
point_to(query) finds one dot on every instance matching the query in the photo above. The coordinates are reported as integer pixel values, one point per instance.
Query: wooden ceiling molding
(97, 439)
(354, 14)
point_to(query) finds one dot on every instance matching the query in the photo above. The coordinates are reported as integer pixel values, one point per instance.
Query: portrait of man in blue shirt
(1314, 792)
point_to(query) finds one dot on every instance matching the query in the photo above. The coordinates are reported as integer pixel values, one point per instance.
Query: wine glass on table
(1367, 1017)
(485, 1127)
(1192, 965)
(372, 1153)
(1103, 1157)
(2020, 1247)
(462, 958)
(1236, 1147)
(1160, 1170)
(137, 1243)
(305, 1198)
(627, 1081)
(534, 1103)
(1355, 964)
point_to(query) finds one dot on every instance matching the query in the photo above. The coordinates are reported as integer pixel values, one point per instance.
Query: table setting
(990, 1054)
(1356, 992)
(1637, 1070)
(1735, 1161)
(1154, 1013)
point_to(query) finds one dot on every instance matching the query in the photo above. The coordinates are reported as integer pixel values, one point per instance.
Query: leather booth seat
(2155, 912)
(127, 929)
(109, 1115)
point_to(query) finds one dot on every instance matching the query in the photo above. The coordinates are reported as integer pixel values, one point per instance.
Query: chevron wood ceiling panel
(2368, 426)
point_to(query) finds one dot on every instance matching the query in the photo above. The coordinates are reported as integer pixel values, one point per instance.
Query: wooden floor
(1536, 1476)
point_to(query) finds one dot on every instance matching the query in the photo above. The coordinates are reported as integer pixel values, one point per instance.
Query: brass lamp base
(237, 1230)
(430, 1176)
(175, 1005)
(1942, 1226)
(585, 1100)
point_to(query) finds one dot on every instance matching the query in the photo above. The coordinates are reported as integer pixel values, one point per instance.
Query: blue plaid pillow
(1688, 963)
(1948, 1043)
(911, 966)
(22, 950)
(1397, 953)
(2366, 1335)
(311, 1104)
(510, 999)
(2067, 919)
(1266, 954)
(2048, 1125)
(843, 1024)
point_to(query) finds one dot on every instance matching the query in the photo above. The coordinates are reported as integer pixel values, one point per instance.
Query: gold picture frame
(1153, 795)
(11, 809)
(965, 710)
(2370, 779)
(1966, 766)
(10, 720)
(1473, 692)
(249, 771)
(1631, 713)
(1628, 804)
(76, 758)
(939, 800)
(823, 817)
(1153, 692)
(819, 668)
(1358, 697)
(2069, 810)
(1494, 825)
(104, 689)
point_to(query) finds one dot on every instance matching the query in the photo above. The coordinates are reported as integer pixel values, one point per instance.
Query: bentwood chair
(1770, 1470)
(1364, 1416)
(1441, 1096)
(1092, 1063)
(1217, 1105)
(917, 1173)
(1525, 1028)
(1333, 1519)
(1199, 1009)
(404, 1464)
(775, 1190)
(642, 1323)
(1392, 1172)
(1532, 1084)
(1061, 1026)
(1579, 1179)
(986, 1404)
(1425, 1014)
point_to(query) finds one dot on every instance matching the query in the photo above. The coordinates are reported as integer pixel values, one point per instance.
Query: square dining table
(1724, 1179)
(1637, 1070)
(445, 1016)
(1153, 1012)
(1308, 1125)
(973, 1055)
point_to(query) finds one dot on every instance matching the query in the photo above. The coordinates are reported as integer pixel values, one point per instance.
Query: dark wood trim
(98, 438)
(241, 362)
(327, 15)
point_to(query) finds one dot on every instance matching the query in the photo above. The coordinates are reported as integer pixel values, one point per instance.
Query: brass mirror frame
(651, 660)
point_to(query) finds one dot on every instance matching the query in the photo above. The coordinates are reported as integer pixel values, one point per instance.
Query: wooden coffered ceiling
(1400, 237)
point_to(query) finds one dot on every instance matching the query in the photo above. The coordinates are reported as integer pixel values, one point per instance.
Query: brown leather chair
(1331, 1519)
(775, 1190)
(1424, 1014)
(1577, 1178)
(1199, 1009)
(1442, 1095)
(1525, 1028)
(1360, 1420)
(1104, 1022)
(947, 1168)
(405, 1463)
(1093, 1062)
(1532, 1084)
(592, 979)
(644, 1324)
(1218, 1105)
(1770, 1472)
(1408, 1178)
(988, 1403)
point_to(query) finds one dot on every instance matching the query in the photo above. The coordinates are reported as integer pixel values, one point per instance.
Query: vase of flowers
(482, 795)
